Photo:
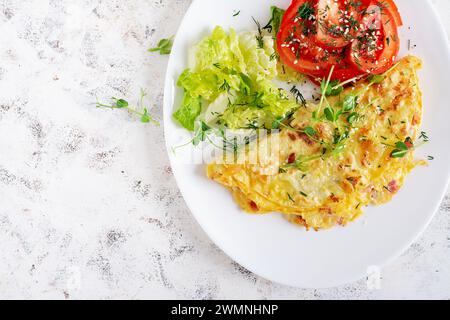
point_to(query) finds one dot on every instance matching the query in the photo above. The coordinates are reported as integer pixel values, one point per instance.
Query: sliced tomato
(297, 46)
(342, 69)
(338, 21)
(376, 49)
(341, 74)
(393, 9)
(296, 39)
(316, 35)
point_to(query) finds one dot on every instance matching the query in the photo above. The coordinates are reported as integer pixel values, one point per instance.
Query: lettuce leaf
(188, 112)
(259, 109)
(274, 24)
(235, 68)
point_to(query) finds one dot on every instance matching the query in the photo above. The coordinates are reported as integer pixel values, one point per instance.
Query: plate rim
(167, 115)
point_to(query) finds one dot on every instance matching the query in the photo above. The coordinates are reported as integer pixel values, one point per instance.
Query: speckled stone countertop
(88, 204)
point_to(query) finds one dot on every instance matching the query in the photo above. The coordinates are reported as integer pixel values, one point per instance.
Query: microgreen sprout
(401, 148)
(309, 131)
(349, 103)
(332, 89)
(164, 46)
(376, 79)
(324, 88)
(144, 115)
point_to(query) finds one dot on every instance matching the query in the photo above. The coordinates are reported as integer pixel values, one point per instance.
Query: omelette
(335, 156)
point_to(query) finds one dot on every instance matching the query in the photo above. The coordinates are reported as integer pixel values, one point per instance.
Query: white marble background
(88, 204)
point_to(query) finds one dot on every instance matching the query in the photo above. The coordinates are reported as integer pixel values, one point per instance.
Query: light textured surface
(88, 204)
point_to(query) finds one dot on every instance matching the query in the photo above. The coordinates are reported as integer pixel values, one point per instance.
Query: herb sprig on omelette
(351, 161)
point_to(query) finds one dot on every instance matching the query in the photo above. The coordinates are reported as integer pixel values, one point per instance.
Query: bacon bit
(404, 130)
(396, 102)
(292, 136)
(365, 161)
(347, 187)
(334, 198)
(363, 132)
(392, 187)
(416, 119)
(379, 88)
(306, 138)
(409, 143)
(321, 130)
(368, 147)
(398, 99)
(253, 205)
(353, 180)
(340, 221)
(326, 210)
(291, 159)
(300, 221)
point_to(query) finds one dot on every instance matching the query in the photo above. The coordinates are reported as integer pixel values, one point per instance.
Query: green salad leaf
(273, 26)
(188, 112)
(235, 65)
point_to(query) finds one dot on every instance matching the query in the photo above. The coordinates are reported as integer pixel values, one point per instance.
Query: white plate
(268, 245)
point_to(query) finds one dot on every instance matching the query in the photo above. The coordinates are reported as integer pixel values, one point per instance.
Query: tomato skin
(307, 64)
(343, 73)
(380, 60)
(338, 74)
(329, 16)
(393, 9)
(304, 47)
(315, 60)
(338, 21)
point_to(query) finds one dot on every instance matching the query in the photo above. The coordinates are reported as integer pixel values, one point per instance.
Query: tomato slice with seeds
(296, 38)
(316, 35)
(343, 69)
(393, 9)
(338, 21)
(297, 46)
(376, 49)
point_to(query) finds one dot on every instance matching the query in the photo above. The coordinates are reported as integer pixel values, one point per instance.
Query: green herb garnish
(332, 89)
(376, 78)
(424, 136)
(225, 86)
(164, 46)
(353, 117)
(144, 115)
(290, 198)
(323, 97)
(305, 11)
(310, 132)
(330, 114)
(401, 148)
(349, 103)
(201, 133)
(259, 36)
(298, 95)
